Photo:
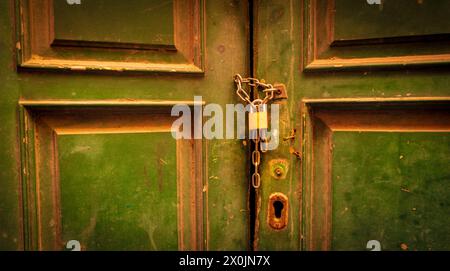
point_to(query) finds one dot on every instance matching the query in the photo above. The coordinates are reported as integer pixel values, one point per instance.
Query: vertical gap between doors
(252, 192)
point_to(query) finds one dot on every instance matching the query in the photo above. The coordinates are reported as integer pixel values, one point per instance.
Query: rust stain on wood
(159, 174)
(146, 178)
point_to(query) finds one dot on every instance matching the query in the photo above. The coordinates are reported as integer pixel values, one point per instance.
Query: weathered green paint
(358, 20)
(282, 37)
(275, 56)
(391, 187)
(10, 209)
(119, 191)
(225, 177)
(107, 21)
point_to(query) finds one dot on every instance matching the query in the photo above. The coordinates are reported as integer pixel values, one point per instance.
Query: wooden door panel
(356, 20)
(353, 34)
(105, 79)
(377, 172)
(112, 178)
(353, 78)
(390, 187)
(144, 36)
(147, 22)
(118, 191)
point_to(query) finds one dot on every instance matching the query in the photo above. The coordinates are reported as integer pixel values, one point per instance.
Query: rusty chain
(269, 92)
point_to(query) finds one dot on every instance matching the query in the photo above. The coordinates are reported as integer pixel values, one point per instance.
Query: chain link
(256, 160)
(268, 89)
(269, 92)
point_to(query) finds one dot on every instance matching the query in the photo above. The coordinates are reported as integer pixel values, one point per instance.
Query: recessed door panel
(354, 34)
(112, 178)
(390, 187)
(147, 22)
(137, 35)
(356, 20)
(119, 191)
(378, 172)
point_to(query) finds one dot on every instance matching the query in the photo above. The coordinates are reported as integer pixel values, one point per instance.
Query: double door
(89, 157)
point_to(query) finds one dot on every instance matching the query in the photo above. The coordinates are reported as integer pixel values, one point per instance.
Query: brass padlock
(262, 121)
(257, 121)
(253, 122)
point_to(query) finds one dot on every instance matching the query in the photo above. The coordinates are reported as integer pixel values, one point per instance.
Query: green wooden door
(369, 97)
(87, 152)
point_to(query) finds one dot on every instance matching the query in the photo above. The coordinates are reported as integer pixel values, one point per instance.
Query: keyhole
(278, 207)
